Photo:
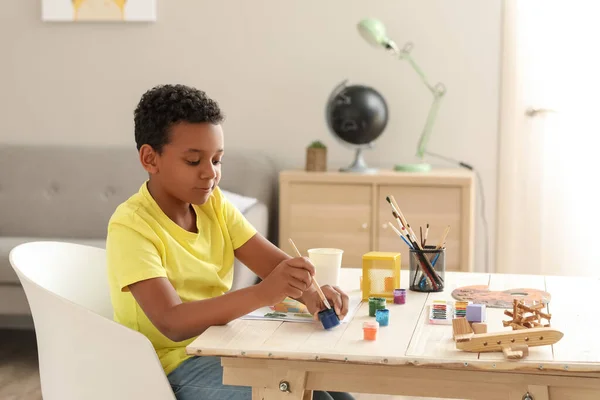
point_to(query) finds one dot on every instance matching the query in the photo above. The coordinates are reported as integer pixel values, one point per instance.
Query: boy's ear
(148, 158)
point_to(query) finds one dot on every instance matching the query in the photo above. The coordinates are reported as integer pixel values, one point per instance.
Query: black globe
(357, 114)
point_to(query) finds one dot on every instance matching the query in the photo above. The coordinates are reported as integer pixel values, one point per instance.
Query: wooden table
(412, 357)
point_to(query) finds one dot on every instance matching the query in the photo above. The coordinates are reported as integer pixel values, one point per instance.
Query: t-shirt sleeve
(131, 256)
(240, 229)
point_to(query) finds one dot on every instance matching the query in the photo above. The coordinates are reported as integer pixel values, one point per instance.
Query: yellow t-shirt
(143, 243)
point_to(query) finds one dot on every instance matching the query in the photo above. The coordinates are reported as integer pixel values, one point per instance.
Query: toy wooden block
(476, 312)
(516, 352)
(461, 330)
(479, 327)
(380, 274)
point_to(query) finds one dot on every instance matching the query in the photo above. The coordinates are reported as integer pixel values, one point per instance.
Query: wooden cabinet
(350, 212)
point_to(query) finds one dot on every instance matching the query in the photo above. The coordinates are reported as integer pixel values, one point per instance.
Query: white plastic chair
(83, 353)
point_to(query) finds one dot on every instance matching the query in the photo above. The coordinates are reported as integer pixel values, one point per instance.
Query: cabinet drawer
(438, 206)
(328, 215)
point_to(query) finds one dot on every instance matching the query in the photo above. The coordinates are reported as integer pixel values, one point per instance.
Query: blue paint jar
(329, 318)
(382, 316)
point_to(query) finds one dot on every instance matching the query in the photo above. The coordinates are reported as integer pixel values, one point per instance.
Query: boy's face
(189, 166)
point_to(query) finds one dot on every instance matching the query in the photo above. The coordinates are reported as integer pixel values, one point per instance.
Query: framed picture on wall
(99, 10)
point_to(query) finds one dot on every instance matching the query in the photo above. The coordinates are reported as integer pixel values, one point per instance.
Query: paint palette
(480, 294)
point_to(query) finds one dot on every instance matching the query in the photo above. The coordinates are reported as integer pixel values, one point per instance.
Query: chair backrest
(83, 353)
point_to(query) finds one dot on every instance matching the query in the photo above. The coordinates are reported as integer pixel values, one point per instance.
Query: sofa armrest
(258, 216)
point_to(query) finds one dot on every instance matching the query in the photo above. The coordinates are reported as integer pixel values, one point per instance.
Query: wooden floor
(20, 379)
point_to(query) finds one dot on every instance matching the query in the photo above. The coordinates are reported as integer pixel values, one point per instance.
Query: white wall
(271, 64)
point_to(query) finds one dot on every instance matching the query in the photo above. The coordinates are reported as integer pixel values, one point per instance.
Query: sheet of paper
(292, 311)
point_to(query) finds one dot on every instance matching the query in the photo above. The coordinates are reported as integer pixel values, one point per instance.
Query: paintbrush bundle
(423, 257)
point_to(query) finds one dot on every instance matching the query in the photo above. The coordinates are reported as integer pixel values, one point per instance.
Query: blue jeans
(200, 378)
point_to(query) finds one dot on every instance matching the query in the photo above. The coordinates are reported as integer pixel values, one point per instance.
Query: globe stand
(359, 165)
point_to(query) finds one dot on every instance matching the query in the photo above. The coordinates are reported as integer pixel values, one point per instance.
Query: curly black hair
(165, 105)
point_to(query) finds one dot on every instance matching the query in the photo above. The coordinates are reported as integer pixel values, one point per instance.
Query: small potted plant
(316, 156)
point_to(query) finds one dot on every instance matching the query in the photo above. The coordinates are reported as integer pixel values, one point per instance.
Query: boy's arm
(180, 321)
(260, 255)
(135, 265)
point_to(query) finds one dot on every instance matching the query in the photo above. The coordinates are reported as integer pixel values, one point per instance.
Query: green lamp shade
(373, 31)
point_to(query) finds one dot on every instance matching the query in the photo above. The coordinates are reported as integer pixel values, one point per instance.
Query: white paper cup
(327, 262)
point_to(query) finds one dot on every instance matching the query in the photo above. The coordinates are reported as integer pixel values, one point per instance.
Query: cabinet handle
(365, 225)
(385, 225)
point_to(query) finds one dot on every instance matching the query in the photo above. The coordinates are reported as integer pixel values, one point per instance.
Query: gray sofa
(68, 194)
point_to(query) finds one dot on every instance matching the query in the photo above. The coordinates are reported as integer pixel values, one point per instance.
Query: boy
(171, 246)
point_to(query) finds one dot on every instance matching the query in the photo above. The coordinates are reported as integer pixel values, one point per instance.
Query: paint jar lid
(371, 325)
(382, 311)
(329, 318)
(399, 291)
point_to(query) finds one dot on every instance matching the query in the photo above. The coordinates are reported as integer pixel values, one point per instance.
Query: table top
(410, 339)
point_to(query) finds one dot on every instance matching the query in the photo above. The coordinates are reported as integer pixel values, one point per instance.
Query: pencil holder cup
(427, 269)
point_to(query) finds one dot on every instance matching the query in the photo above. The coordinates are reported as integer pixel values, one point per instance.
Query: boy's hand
(336, 297)
(289, 279)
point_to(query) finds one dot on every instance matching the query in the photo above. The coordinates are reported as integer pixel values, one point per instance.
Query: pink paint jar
(399, 296)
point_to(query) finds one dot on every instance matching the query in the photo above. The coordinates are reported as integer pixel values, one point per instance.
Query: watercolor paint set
(442, 312)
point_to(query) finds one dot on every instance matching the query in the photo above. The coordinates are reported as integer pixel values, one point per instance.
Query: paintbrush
(314, 281)
(443, 238)
(396, 207)
(401, 236)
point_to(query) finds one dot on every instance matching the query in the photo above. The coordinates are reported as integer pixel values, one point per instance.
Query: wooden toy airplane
(514, 344)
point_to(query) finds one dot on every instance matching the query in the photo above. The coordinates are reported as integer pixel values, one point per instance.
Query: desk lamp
(373, 31)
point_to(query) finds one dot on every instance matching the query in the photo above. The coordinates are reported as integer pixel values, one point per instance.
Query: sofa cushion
(43, 186)
(8, 275)
(242, 203)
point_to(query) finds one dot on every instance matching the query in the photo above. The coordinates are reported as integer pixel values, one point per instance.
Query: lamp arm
(435, 106)
(418, 70)
(438, 91)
